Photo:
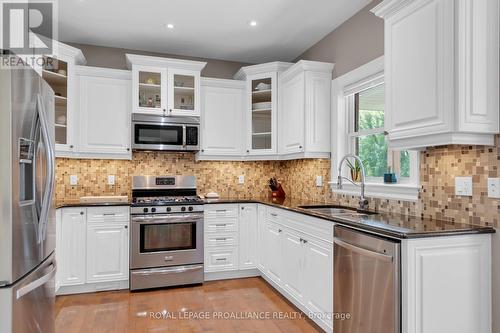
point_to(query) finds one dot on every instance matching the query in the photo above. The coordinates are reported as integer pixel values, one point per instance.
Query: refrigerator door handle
(37, 283)
(49, 185)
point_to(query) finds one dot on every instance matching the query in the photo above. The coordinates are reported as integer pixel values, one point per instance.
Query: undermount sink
(331, 210)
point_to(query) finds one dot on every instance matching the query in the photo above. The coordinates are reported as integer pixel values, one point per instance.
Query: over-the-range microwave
(152, 132)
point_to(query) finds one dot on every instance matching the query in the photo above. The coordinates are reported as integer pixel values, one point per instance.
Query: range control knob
(169, 209)
(183, 209)
(153, 210)
(145, 210)
(190, 208)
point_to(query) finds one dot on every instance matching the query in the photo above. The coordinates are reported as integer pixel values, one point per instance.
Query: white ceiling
(216, 29)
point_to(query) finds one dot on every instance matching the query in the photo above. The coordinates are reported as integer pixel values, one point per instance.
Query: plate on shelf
(263, 86)
(261, 105)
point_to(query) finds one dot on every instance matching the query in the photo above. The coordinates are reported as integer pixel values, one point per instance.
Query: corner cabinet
(441, 72)
(261, 111)
(222, 106)
(164, 86)
(104, 113)
(304, 110)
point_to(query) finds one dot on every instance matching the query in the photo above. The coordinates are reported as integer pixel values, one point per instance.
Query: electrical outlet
(111, 179)
(319, 181)
(463, 186)
(241, 179)
(73, 180)
(494, 188)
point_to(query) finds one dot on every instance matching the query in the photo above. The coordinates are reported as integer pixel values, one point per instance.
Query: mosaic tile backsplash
(438, 168)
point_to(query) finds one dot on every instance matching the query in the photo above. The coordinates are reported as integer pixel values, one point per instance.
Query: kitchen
(343, 179)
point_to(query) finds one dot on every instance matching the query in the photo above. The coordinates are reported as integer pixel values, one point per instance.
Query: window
(365, 109)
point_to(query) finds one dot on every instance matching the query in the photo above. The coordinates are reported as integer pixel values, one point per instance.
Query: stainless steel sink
(329, 210)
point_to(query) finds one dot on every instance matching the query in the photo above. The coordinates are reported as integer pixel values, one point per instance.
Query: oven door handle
(174, 270)
(167, 218)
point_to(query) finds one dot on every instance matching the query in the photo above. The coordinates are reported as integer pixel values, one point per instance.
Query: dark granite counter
(390, 225)
(83, 204)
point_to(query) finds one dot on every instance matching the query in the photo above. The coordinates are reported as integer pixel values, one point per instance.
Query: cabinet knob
(203, 150)
(170, 110)
(280, 231)
(126, 226)
(300, 147)
(128, 149)
(71, 146)
(248, 151)
(81, 213)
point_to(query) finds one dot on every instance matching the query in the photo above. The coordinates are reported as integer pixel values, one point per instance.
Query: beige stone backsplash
(438, 168)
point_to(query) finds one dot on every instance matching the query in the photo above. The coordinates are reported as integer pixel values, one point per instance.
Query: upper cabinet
(441, 72)
(304, 110)
(59, 72)
(163, 86)
(261, 111)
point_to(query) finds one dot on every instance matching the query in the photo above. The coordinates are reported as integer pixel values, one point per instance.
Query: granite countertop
(388, 224)
(77, 203)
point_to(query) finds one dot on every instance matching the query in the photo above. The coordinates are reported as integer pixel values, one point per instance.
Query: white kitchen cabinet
(107, 252)
(261, 236)
(273, 248)
(58, 71)
(248, 236)
(261, 111)
(222, 123)
(446, 284)
(304, 110)
(92, 249)
(293, 264)
(104, 113)
(441, 72)
(164, 86)
(71, 247)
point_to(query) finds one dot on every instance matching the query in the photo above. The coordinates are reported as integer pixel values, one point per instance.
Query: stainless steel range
(166, 245)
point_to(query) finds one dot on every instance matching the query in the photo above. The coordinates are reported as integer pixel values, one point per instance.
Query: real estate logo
(27, 28)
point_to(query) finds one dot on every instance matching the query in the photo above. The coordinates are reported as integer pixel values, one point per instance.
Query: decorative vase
(356, 175)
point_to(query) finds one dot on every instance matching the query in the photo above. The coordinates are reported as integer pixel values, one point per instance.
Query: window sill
(405, 192)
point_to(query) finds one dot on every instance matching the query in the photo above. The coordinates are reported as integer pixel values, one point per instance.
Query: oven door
(166, 240)
(158, 136)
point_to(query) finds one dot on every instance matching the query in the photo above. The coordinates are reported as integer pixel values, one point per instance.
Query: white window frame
(362, 78)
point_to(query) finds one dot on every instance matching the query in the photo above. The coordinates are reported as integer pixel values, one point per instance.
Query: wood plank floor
(123, 311)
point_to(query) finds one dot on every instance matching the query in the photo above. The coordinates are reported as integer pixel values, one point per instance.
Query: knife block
(279, 193)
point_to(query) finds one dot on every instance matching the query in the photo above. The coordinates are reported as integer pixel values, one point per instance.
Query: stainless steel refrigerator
(27, 215)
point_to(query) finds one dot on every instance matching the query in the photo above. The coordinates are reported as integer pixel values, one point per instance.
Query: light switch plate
(494, 188)
(241, 179)
(319, 181)
(73, 180)
(111, 179)
(463, 186)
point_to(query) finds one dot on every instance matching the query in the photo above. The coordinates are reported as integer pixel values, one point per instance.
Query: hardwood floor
(168, 310)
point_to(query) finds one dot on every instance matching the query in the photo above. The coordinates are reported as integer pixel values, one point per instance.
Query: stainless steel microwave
(152, 132)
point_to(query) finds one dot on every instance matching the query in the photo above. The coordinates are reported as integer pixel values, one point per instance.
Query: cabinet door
(149, 90)
(72, 247)
(105, 116)
(261, 234)
(222, 120)
(419, 74)
(318, 276)
(293, 270)
(107, 252)
(291, 121)
(261, 114)
(183, 92)
(318, 100)
(248, 236)
(273, 250)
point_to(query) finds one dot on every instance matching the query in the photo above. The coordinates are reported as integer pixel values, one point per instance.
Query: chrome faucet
(363, 202)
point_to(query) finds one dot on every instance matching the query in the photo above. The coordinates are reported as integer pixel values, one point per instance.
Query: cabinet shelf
(60, 125)
(184, 88)
(60, 100)
(262, 134)
(267, 110)
(150, 85)
(54, 78)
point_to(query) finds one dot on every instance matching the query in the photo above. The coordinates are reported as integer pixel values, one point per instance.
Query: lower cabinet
(273, 251)
(248, 236)
(92, 253)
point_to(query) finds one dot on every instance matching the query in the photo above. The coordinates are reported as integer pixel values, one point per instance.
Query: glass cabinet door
(55, 73)
(150, 90)
(261, 114)
(183, 93)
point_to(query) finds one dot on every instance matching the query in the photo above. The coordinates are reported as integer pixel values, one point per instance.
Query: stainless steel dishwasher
(366, 283)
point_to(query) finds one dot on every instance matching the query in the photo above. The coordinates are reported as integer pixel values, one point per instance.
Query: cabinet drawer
(221, 259)
(223, 211)
(108, 214)
(218, 240)
(274, 215)
(221, 226)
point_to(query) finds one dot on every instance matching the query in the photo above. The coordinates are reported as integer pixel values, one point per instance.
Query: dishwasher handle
(363, 251)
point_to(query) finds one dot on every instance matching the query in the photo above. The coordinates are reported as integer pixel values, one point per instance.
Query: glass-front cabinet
(163, 86)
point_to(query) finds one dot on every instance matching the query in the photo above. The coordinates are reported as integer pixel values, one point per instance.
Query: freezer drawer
(366, 283)
(30, 302)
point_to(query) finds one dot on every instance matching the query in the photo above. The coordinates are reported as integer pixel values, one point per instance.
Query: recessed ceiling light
(169, 26)
(252, 23)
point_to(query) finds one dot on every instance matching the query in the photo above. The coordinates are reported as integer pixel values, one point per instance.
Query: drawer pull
(108, 214)
(221, 259)
(221, 225)
(274, 214)
(169, 258)
(221, 210)
(221, 239)
(280, 231)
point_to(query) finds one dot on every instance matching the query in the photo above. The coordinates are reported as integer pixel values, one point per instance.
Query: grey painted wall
(110, 57)
(355, 42)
